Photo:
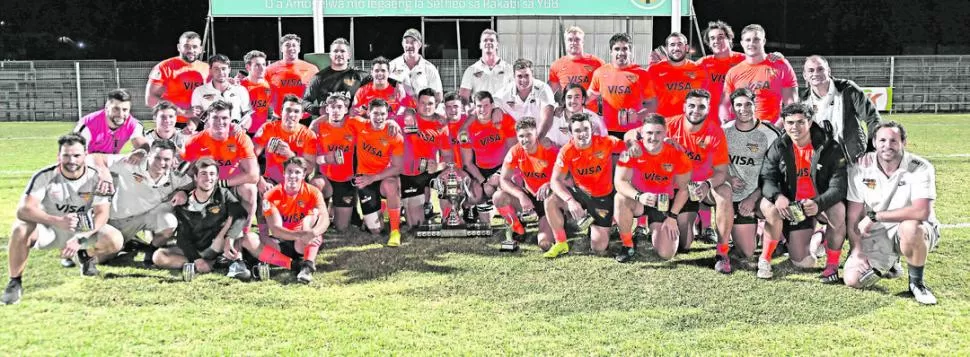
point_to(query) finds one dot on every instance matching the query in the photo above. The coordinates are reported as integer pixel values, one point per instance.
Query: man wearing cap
(412, 69)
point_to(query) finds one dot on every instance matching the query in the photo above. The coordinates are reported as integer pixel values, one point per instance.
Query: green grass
(461, 296)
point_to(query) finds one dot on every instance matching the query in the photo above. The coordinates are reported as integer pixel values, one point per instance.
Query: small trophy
(663, 202)
(797, 213)
(188, 272)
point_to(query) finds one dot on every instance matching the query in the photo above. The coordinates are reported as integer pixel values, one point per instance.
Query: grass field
(463, 297)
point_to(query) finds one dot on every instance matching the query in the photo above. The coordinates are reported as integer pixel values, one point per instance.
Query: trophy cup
(451, 188)
(530, 221)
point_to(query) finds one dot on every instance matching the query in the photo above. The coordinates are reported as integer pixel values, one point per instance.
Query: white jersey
(479, 77)
(59, 195)
(559, 131)
(915, 179)
(747, 150)
(206, 94)
(178, 139)
(423, 75)
(136, 192)
(539, 97)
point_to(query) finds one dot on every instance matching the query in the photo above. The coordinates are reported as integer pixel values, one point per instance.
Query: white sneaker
(764, 269)
(922, 294)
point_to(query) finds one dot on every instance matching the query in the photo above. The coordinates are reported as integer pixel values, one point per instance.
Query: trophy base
(434, 230)
(509, 246)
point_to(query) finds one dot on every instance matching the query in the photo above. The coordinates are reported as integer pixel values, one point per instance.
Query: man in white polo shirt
(490, 73)
(412, 69)
(220, 88)
(527, 97)
(890, 214)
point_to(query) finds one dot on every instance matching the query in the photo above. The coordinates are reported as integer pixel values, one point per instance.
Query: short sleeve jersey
(227, 153)
(567, 70)
(915, 179)
(179, 78)
(291, 208)
(766, 80)
(706, 147)
(654, 173)
(670, 84)
(454, 127)
(536, 168)
(301, 142)
(488, 141)
(259, 94)
(717, 69)
(621, 88)
(432, 137)
(288, 78)
(747, 150)
(59, 195)
(330, 138)
(395, 97)
(591, 168)
(481, 77)
(805, 188)
(375, 147)
(101, 138)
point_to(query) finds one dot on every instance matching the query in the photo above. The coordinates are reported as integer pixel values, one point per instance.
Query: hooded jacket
(828, 171)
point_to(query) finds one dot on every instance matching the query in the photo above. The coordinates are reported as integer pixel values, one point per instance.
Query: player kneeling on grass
(588, 160)
(891, 213)
(60, 209)
(534, 158)
(211, 219)
(663, 168)
(296, 214)
(380, 157)
(804, 181)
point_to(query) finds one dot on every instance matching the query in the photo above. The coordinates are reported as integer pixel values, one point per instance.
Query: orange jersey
(227, 153)
(432, 137)
(301, 142)
(329, 139)
(375, 147)
(566, 70)
(536, 168)
(624, 88)
(706, 148)
(291, 208)
(488, 142)
(259, 94)
(288, 78)
(179, 78)
(767, 80)
(395, 98)
(670, 85)
(717, 69)
(591, 168)
(655, 173)
(453, 138)
(805, 188)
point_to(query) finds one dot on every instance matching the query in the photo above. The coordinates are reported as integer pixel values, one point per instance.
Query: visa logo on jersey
(291, 83)
(618, 89)
(678, 86)
(66, 208)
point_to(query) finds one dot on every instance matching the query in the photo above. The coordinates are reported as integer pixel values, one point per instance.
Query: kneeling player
(662, 168)
(533, 157)
(380, 158)
(60, 209)
(588, 159)
(804, 180)
(297, 218)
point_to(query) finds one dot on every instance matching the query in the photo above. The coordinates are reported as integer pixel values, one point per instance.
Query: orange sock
(273, 256)
(310, 251)
(832, 257)
(627, 239)
(560, 235)
(722, 249)
(642, 221)
(509, 214)
(395, 218)
(768, 248)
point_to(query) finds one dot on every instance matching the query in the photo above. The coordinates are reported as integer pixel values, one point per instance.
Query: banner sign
(881, 97)
(446, 8)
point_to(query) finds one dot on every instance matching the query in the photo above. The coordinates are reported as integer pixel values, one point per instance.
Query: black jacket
(328, 81)
(856, 109)
(828, 169)
(196, 230)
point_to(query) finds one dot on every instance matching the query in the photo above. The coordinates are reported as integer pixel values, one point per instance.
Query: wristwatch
(670, 214)
(872, 216)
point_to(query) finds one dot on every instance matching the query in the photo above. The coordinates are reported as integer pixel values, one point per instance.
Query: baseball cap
(413, 34)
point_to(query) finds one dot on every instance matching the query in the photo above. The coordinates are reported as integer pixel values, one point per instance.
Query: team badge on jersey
(691, 75)
(632, 78)
(587, 68)
(602, 212)
(753, 147)
(703, 143)
(138, 178)
(300, 203)
(870, 183)
(350, 82)
(668, 167)
(215, 209)
(599, 155)
(231, 147)
(85, 196)
(478, 74)
(463, 137)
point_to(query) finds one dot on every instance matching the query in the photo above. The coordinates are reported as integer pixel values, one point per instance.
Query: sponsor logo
(870, 183)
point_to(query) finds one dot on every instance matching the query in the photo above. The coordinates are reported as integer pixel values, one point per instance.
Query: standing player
(574, 95)
(394, 94)
(488, 74)
(671, 79)
(412, 69)
(379, 162)
(576, 66)
(534, 158)
(719, 37)
(339, 77)
(804, 169)
(289, 75)
(282, 139)
(258, 89)
(891, 212)
(748, 139)
(664, 172)
(174, 79)
(622, 85)
(528, 97)
(108, 130)
(335, 150)
(773, 82)
(60, 209)
(704, 143)
(587, 159)
(222, 88)
(483, 146)
(426, 149)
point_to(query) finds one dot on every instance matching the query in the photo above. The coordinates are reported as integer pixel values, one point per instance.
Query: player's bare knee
(911, 233)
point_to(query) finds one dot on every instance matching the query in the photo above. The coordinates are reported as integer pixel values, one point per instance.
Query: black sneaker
(88, 265)
(470, 216)
(640, 235)
(626, 255)
(238, 270)
(708, 236)
(12, 293)
(306, 272)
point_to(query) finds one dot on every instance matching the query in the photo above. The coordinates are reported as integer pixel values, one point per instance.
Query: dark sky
(147, 30)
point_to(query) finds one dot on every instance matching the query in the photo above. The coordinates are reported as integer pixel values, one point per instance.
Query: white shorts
(158, 219)
(881, 245)
(51, 238)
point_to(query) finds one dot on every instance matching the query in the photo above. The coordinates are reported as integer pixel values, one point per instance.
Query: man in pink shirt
(108, 129)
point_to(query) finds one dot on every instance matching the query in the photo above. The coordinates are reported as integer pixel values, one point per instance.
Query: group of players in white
(644, 150)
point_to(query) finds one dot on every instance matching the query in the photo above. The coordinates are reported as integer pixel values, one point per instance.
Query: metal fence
(65, 90)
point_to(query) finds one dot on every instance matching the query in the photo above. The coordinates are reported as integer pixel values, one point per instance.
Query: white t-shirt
(205, 94)
(539, 96)
(829, 108)
(136, 193)
(59, 195)
(423, 75)
(915, 179)
(559, 132)
(478, 77)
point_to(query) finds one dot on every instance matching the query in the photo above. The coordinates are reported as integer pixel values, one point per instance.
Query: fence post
(77, 77)
(892, 80)
(117, 76)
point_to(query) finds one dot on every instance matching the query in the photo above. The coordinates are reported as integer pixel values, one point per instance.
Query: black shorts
(288, 248)
(653, 215)
(739, 219)
(617, 134)
(808, 223)
(413, 186)
(344, 193)
(181, 126)
(539, 208)
(600, 208)
(689, 206)
(370, 198)
(486, 173)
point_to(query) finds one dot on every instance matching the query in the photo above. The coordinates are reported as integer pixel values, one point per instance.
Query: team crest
(300, 203)
(85, 196)
(702, 143)
(691, 75)
(215, 209)
(602, 212)
(463, 137)
(138, 178)
(208, 96)
(588, 68)
(231, 147)
(383, 141)
(771, 72)
(870, 183)
(478, 74)
(350, 82)
(753, 147)
(630, 77)
(540, 164)
(348, 199)
(599, 155)
(668, 167)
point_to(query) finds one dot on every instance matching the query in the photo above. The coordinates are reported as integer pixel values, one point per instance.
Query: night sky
(147, 30)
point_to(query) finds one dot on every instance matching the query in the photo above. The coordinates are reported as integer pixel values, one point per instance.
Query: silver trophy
(663, 202)
(188, 272)
(797, 213)
(451, 188)
(338, 156)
